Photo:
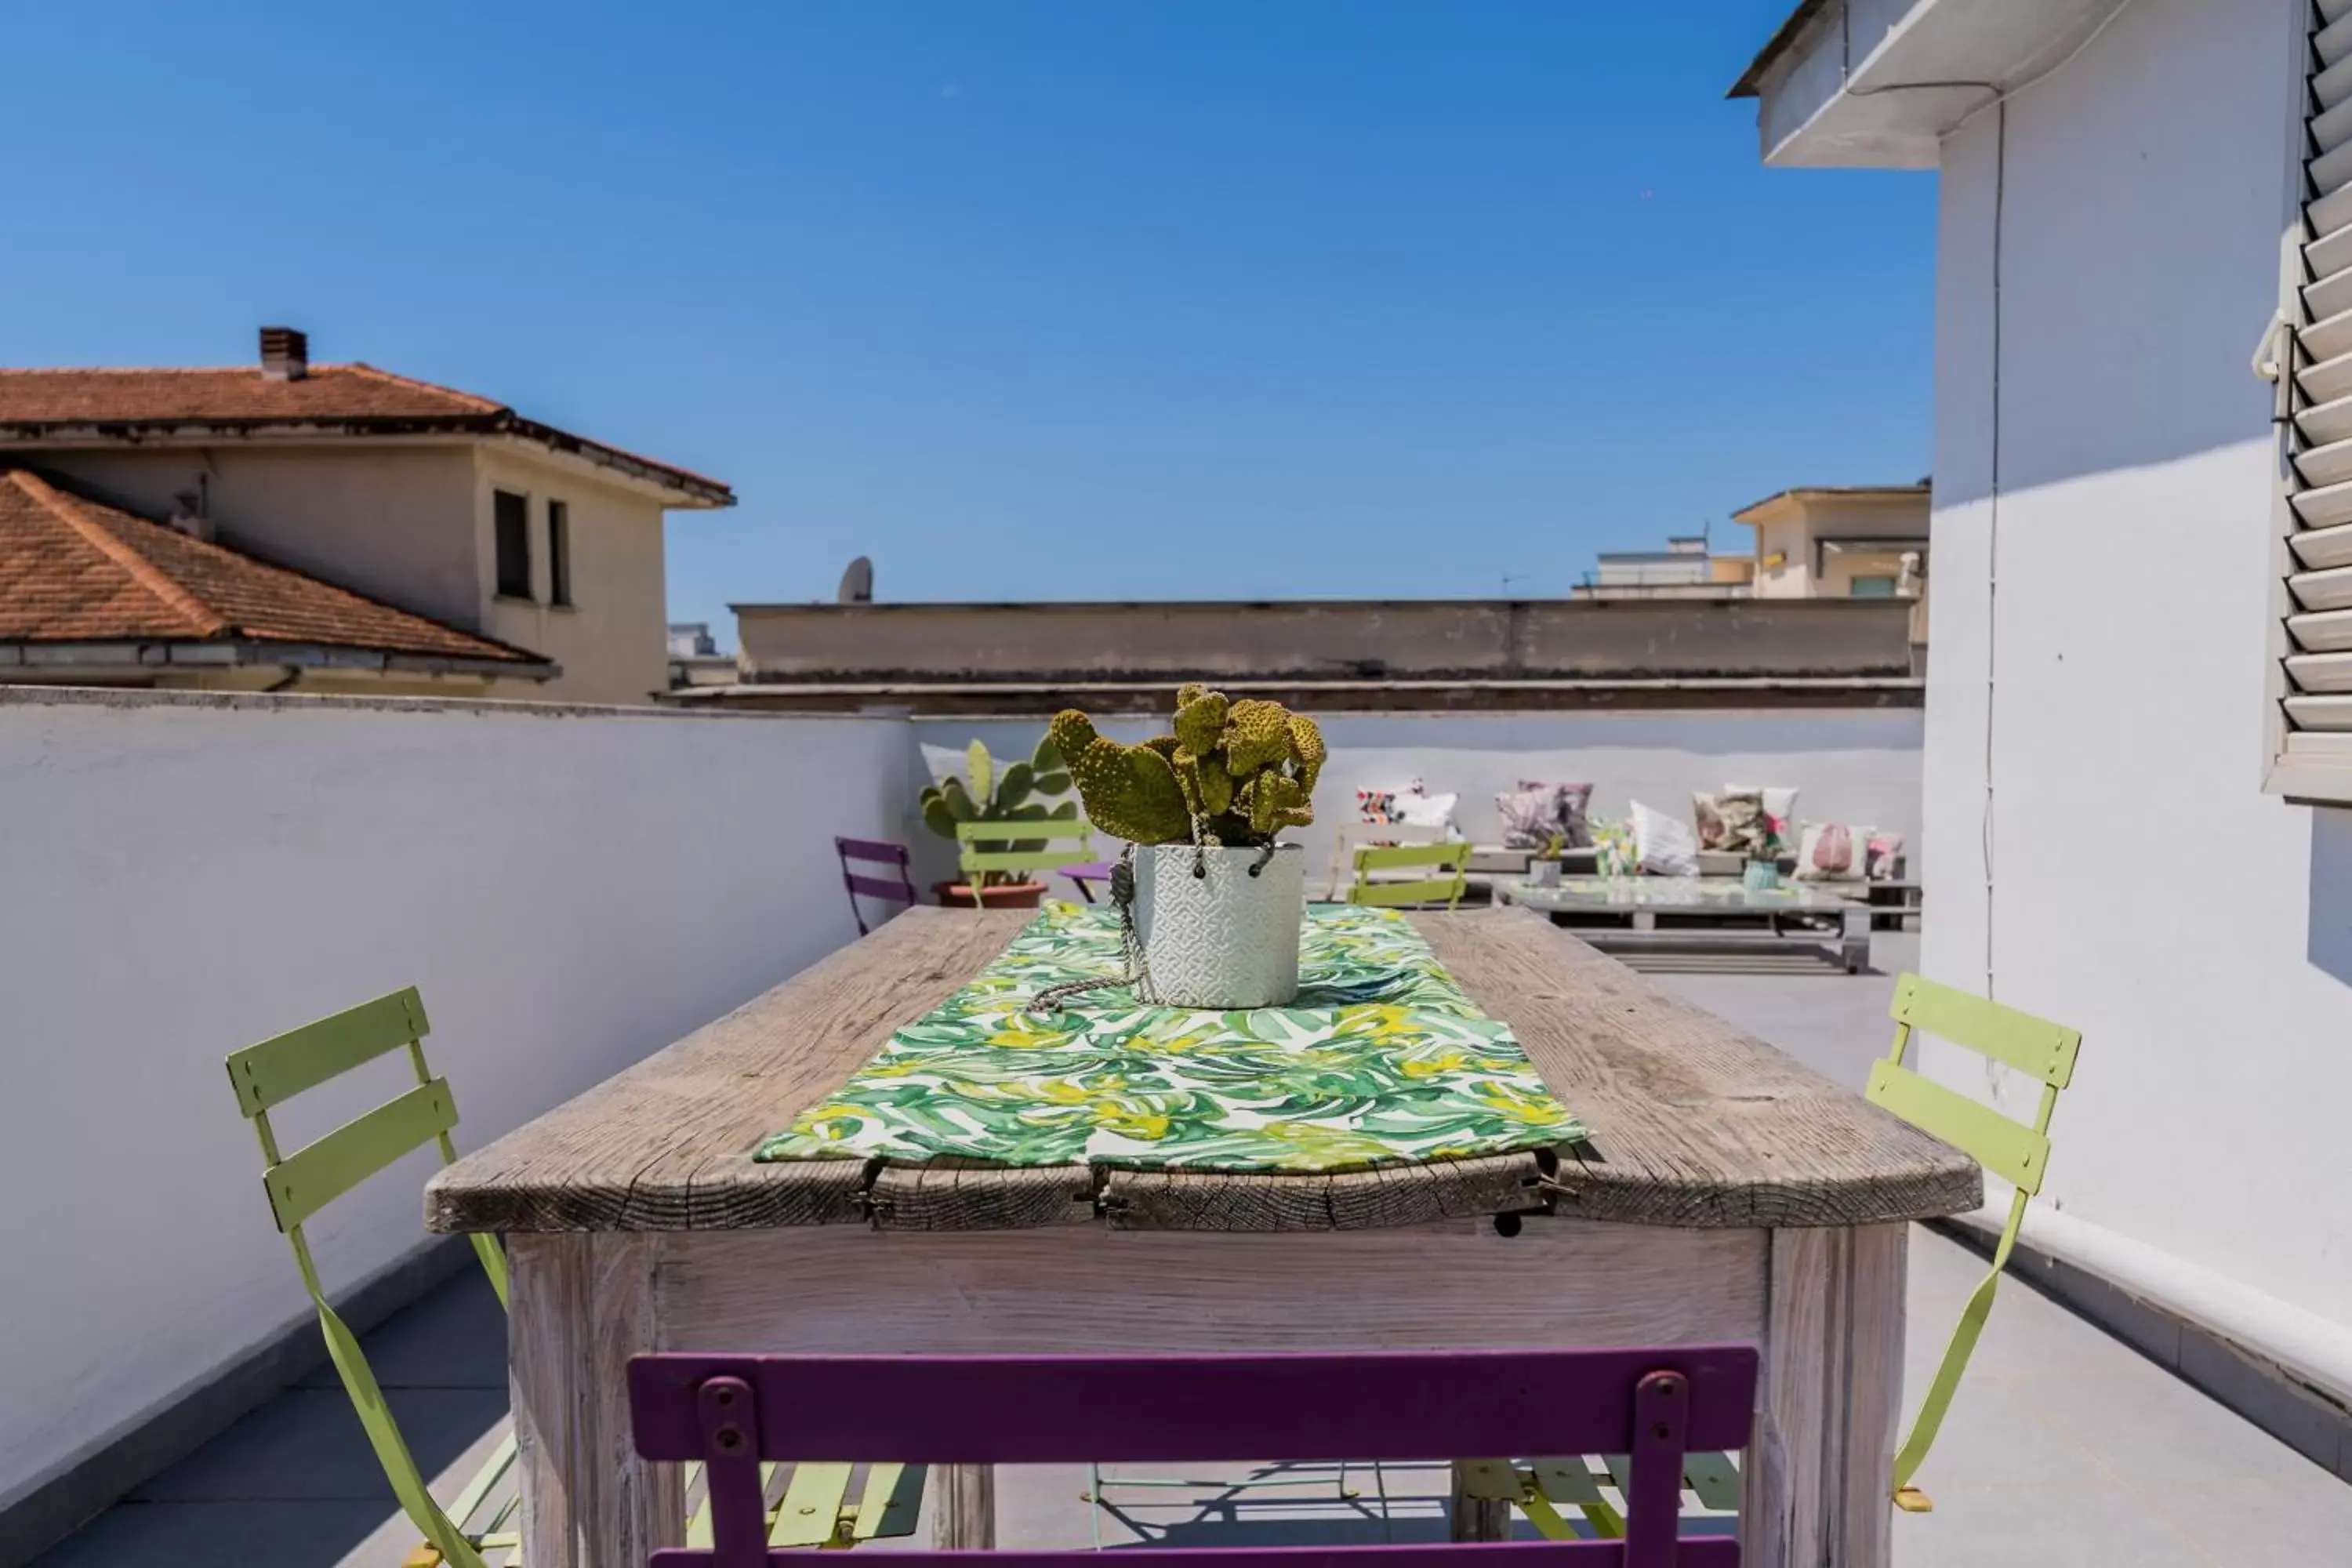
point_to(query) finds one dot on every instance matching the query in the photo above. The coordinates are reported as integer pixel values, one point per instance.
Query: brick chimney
(285, 353)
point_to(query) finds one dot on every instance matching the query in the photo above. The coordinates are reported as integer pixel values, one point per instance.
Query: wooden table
(1726, 1194)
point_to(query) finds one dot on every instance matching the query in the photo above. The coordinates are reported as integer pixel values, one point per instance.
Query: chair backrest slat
(875, 888)
(282, 1066)
(2018, 1153)
(734, 1411)
(1025, 859)
(2029, 1044)
(315, 1175)
(1401, 1404)
(871, 849)
(1008, 831)
(1385, 894)
(1453, 855)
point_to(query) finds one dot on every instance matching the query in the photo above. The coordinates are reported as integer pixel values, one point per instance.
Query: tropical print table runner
(1382, 1061)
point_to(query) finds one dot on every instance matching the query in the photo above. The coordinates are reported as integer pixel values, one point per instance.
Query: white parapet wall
(570, 889)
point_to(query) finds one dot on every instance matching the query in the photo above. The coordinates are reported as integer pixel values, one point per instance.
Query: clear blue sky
(1091, 298)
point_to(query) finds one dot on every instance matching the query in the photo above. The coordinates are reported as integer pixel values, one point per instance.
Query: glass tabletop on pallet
(1693, 894)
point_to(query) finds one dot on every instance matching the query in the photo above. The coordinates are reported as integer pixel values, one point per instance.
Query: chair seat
(1594, 1489)
(809, 1505)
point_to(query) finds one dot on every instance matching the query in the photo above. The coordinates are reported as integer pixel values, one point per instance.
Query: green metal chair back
(1447, 862)
(1024, 846)
(2020, 1155)
(301, 1183)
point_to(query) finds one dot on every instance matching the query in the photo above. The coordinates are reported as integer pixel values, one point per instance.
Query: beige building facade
(442, 504)
(1840, 542)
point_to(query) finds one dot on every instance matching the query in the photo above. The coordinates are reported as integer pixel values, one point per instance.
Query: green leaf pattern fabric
(1382, 1061)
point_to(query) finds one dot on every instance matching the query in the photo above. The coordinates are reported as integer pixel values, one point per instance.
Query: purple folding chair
(733, 1411)
(873, 851)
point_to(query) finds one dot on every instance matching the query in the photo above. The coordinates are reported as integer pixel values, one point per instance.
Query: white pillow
(1663, 844)
(1426, 810)
(1778, 804)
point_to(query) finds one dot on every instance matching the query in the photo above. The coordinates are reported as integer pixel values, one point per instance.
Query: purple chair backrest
(873, 850)
(732, 1412)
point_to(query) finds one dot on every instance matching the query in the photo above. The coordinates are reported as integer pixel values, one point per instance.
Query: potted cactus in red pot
(1215, 898)
(1014, 793)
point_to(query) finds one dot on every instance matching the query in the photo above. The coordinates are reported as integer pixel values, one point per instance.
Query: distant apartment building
(1859, 542)
(695, 659)
(1684, 569)
(288, 525)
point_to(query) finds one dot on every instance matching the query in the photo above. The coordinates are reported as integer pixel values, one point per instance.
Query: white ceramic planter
(1226, 939)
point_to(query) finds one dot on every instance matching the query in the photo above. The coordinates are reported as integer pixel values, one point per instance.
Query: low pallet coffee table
(1634, 914)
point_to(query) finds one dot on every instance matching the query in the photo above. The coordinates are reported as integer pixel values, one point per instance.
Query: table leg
(1478, 1518)
(581, 1305)
(1820, 1477)
(966, 1516)
(1854, 938)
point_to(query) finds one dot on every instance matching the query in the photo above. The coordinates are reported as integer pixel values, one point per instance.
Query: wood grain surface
(1693, 1123)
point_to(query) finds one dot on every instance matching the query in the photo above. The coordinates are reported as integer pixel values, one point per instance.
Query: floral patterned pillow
(1883, 850)
(1377, 806)
(1733, 820)
(1535, 810)
(1832, 852)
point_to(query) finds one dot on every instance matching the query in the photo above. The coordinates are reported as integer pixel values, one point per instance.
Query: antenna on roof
(857, 583)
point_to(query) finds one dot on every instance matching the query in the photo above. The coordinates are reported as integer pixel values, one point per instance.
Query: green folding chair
(2018, 1155)
(1041, 844)
(816, 1509)
(1447, 863)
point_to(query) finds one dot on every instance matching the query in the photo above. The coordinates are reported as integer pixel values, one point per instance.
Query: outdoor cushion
(1832, 852)
(1663, 844)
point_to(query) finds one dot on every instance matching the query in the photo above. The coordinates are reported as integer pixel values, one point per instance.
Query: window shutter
(2313, 733)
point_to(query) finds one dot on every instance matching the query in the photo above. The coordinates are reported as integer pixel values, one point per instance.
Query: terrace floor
(2064, 1448)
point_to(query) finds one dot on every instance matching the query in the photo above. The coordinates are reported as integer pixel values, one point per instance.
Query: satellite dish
(857, 583)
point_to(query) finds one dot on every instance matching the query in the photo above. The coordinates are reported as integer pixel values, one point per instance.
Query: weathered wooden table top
(1692, 1122)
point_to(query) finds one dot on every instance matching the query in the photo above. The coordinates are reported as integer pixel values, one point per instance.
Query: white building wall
(1853, 766)
(569, 890)
(2143, 888)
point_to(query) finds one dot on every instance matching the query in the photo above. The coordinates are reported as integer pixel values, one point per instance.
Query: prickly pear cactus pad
(1383, 1060)
(1233, 773)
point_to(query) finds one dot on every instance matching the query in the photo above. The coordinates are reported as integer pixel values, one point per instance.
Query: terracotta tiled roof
(76, 570)
(345, 398)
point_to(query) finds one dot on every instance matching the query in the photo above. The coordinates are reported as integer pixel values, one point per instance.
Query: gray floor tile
(247, 1534)
(454, 1338)
(306, 1444)
(2159, 1433)
(2270, 1524)
(2073, 1527)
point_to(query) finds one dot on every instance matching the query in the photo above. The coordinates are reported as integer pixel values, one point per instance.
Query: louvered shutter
(2314, 643)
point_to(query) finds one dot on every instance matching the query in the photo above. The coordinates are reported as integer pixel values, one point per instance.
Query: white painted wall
(2143, 887)
(1853, 766)
(570, 891)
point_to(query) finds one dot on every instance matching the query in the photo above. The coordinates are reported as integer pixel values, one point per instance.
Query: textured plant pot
(1226, 939)
(1004, 896)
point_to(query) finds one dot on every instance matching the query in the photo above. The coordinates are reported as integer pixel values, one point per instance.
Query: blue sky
(1100, 300)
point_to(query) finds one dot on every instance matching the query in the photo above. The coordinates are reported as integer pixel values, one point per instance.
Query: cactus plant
(1233, 773)
(1018, 792)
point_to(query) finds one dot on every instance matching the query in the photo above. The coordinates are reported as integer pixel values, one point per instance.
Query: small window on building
(510, 514)
(559, 552)
(1872, 589)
